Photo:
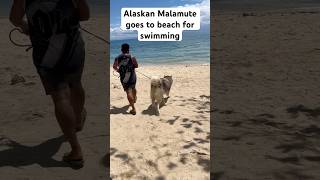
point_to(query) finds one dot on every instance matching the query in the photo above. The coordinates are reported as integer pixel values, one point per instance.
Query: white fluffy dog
(159, 88)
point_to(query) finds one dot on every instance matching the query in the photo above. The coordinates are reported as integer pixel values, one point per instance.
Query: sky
(116, 5)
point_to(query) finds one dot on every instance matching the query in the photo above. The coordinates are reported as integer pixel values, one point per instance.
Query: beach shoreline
(170, 64)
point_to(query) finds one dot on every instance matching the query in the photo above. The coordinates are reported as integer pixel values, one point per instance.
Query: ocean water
(194, 48)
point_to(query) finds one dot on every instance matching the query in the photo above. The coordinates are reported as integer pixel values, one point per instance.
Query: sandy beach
(31, 146)
(265, 79)
(174, 145)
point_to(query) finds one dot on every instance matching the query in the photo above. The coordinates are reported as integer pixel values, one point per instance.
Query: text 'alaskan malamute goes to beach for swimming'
(159, 87)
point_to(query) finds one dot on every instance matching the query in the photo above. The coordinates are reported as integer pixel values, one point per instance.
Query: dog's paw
(156, 111)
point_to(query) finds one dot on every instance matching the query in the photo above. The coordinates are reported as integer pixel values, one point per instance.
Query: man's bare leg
(134, 92)
(66, 119)
(77, 95)
(131, 101)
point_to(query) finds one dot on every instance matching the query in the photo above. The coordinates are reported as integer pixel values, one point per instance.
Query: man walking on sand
(125, 65)
(58, 55)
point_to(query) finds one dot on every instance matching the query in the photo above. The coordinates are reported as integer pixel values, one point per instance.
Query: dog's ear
(165, 83)
(161, 81)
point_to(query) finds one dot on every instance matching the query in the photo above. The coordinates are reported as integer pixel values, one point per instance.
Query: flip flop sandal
(74, 163)
(84, 118)
(133, 112)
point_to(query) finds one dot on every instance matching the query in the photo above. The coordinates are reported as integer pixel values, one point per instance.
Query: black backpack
(48, 17)
(125, 65)
(53, 26)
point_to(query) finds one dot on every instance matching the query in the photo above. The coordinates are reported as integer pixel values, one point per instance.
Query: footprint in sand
(17, 79)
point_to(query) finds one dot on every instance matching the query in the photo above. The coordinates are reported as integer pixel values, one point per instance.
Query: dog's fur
(159, 88)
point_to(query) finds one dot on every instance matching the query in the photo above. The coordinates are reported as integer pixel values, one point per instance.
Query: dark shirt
(52, 17)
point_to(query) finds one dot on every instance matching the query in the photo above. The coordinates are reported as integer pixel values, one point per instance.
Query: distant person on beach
(125, 65)
(58, 55)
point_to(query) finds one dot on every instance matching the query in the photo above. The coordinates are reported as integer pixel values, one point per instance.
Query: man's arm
(83, 9)
(16, 15)
(115, 65)
(134, 62)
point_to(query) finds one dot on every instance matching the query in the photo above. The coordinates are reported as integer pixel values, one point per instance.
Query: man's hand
(116, 69)
(17, 14)
(134, 62)
(24, 28)
(83, 9)
(115, 65)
